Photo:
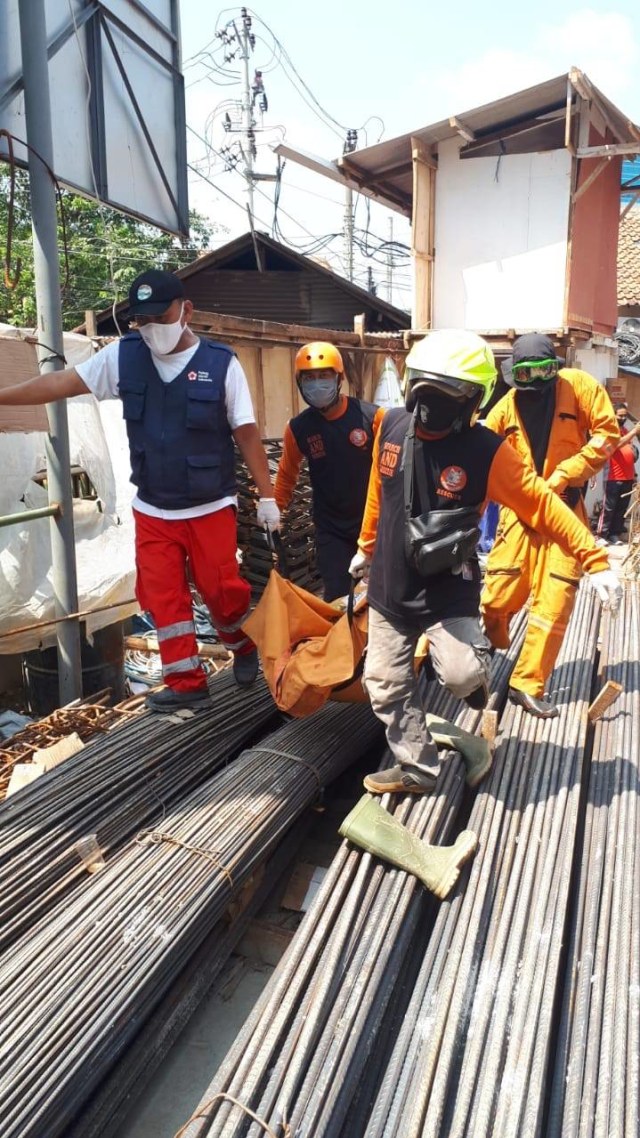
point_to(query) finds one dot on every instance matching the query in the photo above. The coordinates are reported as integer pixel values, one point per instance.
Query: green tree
(101, 251)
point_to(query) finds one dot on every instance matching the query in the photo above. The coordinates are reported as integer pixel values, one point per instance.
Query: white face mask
(161, 339)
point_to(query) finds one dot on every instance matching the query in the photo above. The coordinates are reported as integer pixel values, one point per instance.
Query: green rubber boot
(476, 751)
(374, 830)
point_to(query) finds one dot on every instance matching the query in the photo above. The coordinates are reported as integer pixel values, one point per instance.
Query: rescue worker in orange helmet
(433, 469)
(561, 424)
(335, 435)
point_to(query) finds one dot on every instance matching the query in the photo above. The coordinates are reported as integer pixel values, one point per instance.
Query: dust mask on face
(161, 339)
(320, 393)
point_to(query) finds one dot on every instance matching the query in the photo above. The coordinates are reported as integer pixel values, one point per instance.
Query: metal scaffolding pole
(35, 73)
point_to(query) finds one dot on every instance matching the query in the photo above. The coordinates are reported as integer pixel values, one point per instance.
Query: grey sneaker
(395, 780)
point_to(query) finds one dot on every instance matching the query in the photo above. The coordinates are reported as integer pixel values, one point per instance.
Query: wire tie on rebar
(157, 837)
(294, 759)
(203, 1112)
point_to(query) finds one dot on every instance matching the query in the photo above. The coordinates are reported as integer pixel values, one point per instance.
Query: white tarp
(103, 529)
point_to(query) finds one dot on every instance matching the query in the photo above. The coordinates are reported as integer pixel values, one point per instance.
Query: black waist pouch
(439, 540)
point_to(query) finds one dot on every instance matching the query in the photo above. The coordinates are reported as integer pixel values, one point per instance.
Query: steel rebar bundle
(297, 532)
(307, 1059)
(75, 991)
(471, 1057)
(597, 1065)
(104, 1114)
(122, 781)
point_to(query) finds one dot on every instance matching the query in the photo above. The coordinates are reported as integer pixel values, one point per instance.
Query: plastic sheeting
(103, 530)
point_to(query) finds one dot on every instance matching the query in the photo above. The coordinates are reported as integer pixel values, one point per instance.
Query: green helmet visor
(459, 389)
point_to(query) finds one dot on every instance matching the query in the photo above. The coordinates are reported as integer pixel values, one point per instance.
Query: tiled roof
(629, 259)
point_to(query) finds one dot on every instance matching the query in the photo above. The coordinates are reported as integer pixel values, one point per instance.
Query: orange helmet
(313, 357)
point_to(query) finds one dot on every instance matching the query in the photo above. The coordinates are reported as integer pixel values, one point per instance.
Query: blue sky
(384, 69)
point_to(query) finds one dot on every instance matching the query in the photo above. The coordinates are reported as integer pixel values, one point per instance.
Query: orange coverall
(526, 563)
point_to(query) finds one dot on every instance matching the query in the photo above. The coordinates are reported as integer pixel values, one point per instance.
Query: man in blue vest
(185, 401)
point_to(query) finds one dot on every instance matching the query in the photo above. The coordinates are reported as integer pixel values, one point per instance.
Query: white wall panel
(500, 239)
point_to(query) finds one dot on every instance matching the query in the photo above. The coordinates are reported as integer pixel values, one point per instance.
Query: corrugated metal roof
(385, 170)
(293, 289)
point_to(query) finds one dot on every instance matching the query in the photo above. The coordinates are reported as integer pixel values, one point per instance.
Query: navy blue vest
(338, 452)
(457, 472)
(180, 441)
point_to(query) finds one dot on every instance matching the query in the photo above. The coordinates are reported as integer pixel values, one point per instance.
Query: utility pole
(242, 42)
(37, 105)
(349, 146)
(390, 262)
(246, 41)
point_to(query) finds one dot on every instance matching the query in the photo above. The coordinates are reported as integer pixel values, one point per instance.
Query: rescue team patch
(389, 456)
(453, 478)
(316, 446)
(358, 437)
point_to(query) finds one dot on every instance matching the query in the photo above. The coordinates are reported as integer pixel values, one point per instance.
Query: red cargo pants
(208, 546)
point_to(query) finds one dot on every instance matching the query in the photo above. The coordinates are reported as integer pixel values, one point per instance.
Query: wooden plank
(150, 644)
(267, 329)
(605, 697)
(422, 228)
(489, 728)
(609, 150)
(277, 371)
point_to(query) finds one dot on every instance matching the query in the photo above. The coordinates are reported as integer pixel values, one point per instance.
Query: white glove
(359, 567)
(608, 587)
(268, 514)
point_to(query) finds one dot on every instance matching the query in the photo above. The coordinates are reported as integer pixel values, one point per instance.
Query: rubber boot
(374, 830)
(476, 751)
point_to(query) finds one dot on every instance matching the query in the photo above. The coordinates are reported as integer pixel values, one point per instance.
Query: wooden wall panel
(592, 297)
(278, 385)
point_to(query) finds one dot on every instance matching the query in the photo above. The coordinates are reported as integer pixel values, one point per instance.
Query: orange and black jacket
(582, 433)
(462, 469)
(338, 446)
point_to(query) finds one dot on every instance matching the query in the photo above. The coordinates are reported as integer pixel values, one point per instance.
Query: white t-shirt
(101, 373)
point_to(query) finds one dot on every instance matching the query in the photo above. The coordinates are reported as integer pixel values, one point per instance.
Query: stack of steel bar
(105, 1113)
(308, 1056)
(77, 988)
(297, 530)
(126, 779)
(471, 1057)
(597, 1064)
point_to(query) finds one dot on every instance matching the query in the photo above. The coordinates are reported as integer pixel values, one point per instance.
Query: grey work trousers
(460, 655)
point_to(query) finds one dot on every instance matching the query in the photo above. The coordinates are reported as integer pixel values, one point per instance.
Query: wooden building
(514, 209)
(257, 278)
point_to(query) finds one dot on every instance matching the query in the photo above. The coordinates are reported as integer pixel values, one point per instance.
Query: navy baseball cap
(153, 291)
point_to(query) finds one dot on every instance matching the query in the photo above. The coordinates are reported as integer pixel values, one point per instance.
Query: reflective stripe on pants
(522, 565)
(207, 546)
